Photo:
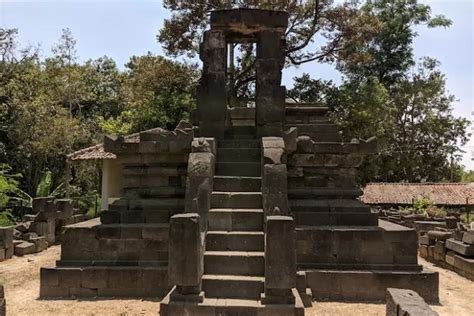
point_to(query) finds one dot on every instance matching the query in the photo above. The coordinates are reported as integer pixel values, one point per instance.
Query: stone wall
(452, 250)
(126, 252)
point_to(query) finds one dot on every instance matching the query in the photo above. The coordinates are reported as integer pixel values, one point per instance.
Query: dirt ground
(20, 277)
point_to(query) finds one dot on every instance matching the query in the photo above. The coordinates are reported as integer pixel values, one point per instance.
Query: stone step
(137, 216)
(239, 143)
(242, 130)
(237, 184)
(228, 219)
(328, 205)
(146, 204)
(234, 263)
(151, 192)
(246, 169)
(235, 241)
(335, 219)
(236, 199)
(238, 155)
(241, 136)
(232, 286)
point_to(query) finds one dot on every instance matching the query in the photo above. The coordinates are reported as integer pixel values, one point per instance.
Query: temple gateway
(244, 211)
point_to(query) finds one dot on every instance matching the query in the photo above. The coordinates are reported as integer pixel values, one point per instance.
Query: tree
(336, 28)
(388, 56)
(156, 92)
(409, 110)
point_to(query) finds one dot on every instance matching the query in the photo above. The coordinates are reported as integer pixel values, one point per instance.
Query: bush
(6, 219)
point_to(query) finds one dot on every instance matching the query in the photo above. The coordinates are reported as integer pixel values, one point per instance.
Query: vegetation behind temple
(53, 105)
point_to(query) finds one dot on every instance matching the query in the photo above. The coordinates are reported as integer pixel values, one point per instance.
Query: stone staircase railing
(188, 230)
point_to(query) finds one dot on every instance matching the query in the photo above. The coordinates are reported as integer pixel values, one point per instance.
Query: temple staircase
(234, 260)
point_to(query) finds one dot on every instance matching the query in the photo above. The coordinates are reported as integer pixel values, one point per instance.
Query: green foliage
(8, 184)
(318, 31)
(408, 109)
(51, 107)
(44, 187)
(421, 205)
(6, 219)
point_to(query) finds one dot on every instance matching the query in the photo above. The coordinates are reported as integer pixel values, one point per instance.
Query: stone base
(104, 281)
(228, 307)
(336, 285)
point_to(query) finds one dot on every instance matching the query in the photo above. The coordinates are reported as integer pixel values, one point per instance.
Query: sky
(122, 28)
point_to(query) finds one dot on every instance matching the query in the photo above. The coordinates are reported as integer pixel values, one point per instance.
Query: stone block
(439, 251)
(468, 237)
(438, 235)
(39, 203)
(450, 257)
(49, 277)
(6, 237)
(94, 278)
(460, 247)
(23, 227)
(185, 266)
(274, 189)
(280, 253)
(25, 248)
(40, 243)
(403, 302)
(9, 252)
(464, 266)
(29, 236)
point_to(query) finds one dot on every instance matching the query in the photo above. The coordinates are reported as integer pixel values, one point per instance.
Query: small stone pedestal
(185, 266)
(280, 260)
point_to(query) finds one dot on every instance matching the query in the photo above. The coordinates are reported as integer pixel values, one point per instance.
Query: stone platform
(231, 307)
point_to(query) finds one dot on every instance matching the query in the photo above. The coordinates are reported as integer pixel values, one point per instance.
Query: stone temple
(245, 211)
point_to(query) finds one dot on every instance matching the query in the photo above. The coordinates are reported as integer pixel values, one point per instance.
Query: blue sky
(122, 28)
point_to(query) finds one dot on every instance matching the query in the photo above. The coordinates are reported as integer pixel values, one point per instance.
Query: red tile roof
(406, 193)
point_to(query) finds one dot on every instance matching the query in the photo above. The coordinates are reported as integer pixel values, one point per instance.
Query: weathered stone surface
(460, 247)
(274, 190)
(185, 265)
(23, 227)
(402, 302)
(6, 237)
(25, 248)
(468, 237)
(280, 255)
(438, 235)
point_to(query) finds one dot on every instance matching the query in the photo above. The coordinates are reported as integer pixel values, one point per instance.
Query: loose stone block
(460, 247)
(468, 237)
(40, 243)
(402, 302)
(439, 251)
(25, 248)
(438, 235)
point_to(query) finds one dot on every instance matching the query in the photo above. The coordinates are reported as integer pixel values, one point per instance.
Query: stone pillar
(280, 260)
(211, 92)
(270, 95)
(274, 177)
(186, 258)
